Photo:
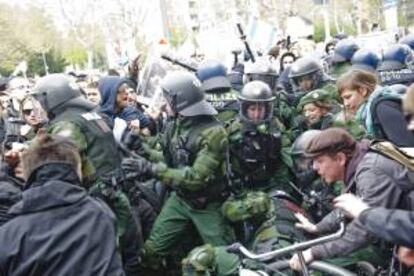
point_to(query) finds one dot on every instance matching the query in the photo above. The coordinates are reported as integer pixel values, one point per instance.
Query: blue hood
(108, 87)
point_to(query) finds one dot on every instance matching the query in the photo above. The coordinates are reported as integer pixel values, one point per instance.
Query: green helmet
(256, 93)
(56, 91)
(183, 92)
(201, 261)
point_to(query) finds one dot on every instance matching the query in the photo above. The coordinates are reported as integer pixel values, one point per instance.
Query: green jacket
(192, 160)
(259, 161)
(94, 139)
(340, 69)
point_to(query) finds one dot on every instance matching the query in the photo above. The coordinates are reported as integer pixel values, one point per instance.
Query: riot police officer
(397, 65)
(307, 74)
(192, 165)
(72, 116)
(343, 53)
(218, 89)
(396, 57)
(259, 146)
(365, 59)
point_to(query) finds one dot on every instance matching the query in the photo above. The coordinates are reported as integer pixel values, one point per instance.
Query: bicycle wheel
(315, 268)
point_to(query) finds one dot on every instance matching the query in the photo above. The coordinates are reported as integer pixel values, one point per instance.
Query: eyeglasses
(27, 112)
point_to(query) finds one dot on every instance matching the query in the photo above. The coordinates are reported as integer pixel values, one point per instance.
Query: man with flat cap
(377, 179)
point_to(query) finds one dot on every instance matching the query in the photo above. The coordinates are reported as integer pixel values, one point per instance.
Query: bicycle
(282, 267)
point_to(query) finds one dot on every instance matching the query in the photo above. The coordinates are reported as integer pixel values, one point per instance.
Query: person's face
(352, 100)
(312, 113)
(305, 83)
(132, 97)
(331, 50)
(31, 114)
(256, 112)
(330, 168)
(122, 97)
(20, 86)
(287, 61)
(93, 95)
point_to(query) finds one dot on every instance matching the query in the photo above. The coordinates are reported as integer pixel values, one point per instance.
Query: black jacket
(57, 229)
(396, 226)
(10, 193)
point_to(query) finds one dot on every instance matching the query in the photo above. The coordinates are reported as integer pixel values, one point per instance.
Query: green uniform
(225, 103)
(99, 158)
(277, 230)
(193, 165)
(259, 158)
(284, 111)
(340, 68)
(352, 126)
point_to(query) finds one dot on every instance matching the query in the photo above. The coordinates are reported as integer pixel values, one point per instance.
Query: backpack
(404, 156)
(391, 128)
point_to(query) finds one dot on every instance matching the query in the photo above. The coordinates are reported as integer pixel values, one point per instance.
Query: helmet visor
(256, 112)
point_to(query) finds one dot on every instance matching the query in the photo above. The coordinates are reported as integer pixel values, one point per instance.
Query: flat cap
(331, 140)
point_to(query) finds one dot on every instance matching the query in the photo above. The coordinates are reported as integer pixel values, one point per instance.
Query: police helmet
(256, 94)
(365, 59)
(56, 91)
(261, 70)
(345, 50)
(408, 40)
(306, 67)
(396, 57)
(213, 77)
(183, 92)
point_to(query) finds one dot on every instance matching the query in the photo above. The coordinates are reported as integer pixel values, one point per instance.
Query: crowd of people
(96, 181)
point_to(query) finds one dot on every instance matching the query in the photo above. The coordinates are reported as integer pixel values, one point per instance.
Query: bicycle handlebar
(237, 247)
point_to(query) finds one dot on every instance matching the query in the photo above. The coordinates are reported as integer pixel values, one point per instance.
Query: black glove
(133, 142)
(134, 167)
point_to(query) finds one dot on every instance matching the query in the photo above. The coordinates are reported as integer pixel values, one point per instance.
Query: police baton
(246, 44)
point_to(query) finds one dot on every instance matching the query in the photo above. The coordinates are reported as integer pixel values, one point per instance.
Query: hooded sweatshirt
(108, 87)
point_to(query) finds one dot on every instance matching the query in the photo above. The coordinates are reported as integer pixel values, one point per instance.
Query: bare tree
(83, 18)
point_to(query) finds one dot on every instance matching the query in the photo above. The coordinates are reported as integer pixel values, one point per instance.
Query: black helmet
(345, 50)
(365, 59)
(302, 165)
(261, 70)
(183, 92)
(306, 67)
(57, 90)
(259, 94)
(408, 40)
(298, 147)
(213, 76)
(396, 57)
